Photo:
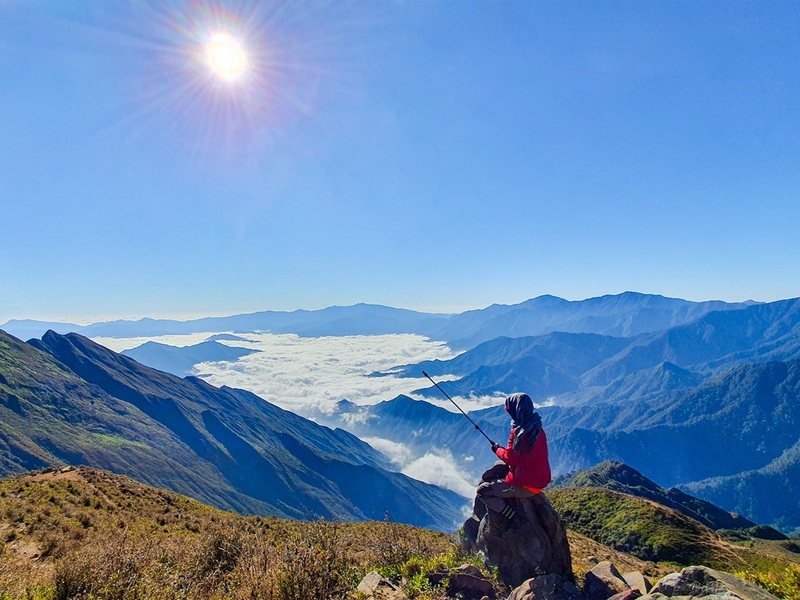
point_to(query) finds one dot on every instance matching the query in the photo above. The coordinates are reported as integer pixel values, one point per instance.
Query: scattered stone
(469, 587)
(546, 587)
(469, 570)
(637, 581)
(703, 582)
(604, 581)
(627, 595)
(376, 587)
(466, 582)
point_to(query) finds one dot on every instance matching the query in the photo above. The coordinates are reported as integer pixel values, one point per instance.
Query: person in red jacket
(525, 456)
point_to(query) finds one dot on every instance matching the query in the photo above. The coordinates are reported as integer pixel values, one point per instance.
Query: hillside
(81, 532)
(742, 421)
(621, 478)
(67, 400)
(757, 492)
(573, 368)
(620, 315)
(180, 361)
(652, 532)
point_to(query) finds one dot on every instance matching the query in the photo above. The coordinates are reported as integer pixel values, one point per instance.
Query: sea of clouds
(309, 376)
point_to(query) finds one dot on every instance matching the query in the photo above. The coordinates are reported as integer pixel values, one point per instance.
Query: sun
(226, 57)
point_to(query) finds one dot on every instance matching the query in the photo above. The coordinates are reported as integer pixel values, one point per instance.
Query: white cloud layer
(310, 375)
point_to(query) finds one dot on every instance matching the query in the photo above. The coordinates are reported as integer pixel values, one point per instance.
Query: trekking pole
(458, 407)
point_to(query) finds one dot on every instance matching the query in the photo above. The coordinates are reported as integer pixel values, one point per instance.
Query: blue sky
(428, 155)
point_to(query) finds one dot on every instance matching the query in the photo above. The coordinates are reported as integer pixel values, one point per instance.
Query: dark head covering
(527, 422)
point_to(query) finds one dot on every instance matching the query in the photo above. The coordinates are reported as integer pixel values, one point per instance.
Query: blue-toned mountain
(622, 315)
(733, 437)
(180, 361)
(571, 368)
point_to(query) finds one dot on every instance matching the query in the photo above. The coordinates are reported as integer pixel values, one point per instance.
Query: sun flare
(226, 57)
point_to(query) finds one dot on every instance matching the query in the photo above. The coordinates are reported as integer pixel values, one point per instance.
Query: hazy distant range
(313, 359)
(625, 315)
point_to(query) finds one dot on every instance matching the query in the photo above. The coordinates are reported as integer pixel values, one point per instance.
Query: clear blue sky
(429, 155)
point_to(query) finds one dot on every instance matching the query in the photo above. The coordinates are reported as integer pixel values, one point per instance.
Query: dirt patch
(62, 474)
(24, 549)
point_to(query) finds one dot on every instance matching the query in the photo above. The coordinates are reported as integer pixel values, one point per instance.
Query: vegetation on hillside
(652, 532)
(82, 533)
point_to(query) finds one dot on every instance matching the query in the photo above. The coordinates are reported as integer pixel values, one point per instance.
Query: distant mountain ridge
(180, 361)
(623, 315)
(68, 400)
(572, 368)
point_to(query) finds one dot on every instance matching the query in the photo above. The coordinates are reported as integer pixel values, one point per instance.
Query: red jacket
(528, 469)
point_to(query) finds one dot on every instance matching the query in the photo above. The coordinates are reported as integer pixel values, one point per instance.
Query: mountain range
(711, 406)
(180, 361)
(623, 315)
(67, 400)
(699, 396)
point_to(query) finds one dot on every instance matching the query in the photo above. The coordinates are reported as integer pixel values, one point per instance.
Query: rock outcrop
(533, 542)
(605, 581)
(703, 582)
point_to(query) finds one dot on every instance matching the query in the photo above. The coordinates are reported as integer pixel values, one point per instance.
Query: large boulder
(604, 581)
(546, 587)
(466, 582)
(703, 582)
(533, 542)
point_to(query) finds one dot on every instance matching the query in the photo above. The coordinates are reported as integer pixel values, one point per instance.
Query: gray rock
(627, 595)
(469, 586)
(546, 587)
(376, 587)
(533, 543)
(604, 581)
(637, 581)
(703, 582)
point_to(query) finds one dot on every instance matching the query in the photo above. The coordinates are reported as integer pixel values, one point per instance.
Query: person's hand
(495, 446)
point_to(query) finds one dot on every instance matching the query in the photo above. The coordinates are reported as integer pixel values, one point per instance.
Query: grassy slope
(651, 532)
(80, 531)
(65, 534)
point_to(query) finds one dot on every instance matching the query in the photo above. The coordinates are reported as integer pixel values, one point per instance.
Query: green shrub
(784, 585)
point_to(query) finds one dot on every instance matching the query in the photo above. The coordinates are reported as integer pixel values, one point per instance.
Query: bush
(784, 585)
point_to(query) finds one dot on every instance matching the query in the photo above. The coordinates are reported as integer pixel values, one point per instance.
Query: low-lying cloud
(439, 467)
(310, 375)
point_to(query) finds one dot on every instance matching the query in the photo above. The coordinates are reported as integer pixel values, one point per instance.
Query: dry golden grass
(84, 533)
